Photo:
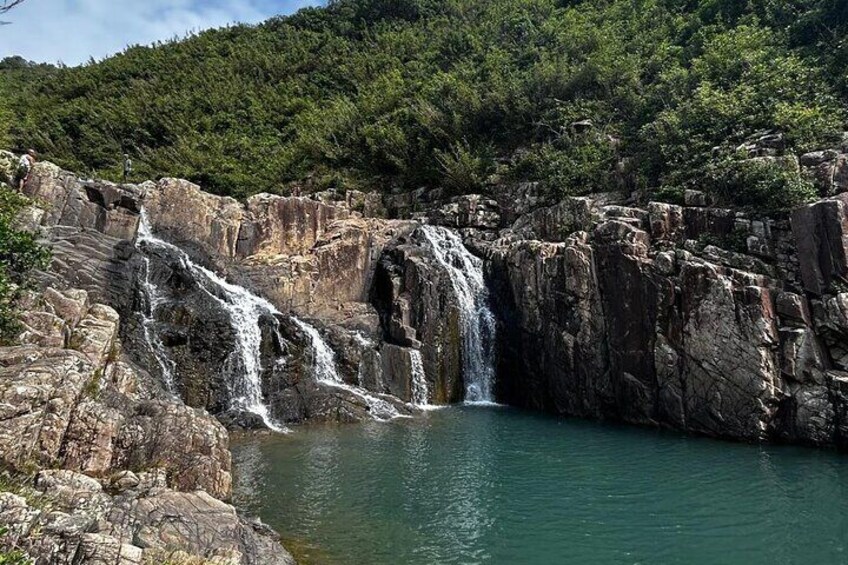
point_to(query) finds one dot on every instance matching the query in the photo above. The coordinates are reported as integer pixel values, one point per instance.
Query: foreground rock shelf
(104, 467)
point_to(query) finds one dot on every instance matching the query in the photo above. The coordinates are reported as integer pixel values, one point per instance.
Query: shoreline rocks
(111, 454)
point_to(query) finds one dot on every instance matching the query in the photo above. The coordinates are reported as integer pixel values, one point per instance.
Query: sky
(73, 31)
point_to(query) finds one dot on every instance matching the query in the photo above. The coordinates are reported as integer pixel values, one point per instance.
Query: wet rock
(551, 298)
(418, 306)
(397, 371)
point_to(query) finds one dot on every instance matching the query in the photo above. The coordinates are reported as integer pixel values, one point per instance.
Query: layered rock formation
(308, 258)
(141, 473)
(694, 318)
(697, 318)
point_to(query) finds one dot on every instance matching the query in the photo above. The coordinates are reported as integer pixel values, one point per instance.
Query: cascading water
(420, 392)
(324, 361)
(478, 322)
(153, 298)
(326, 373)
(365, 344)
(243, 366)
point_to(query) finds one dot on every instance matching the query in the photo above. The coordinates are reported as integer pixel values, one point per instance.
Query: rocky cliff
(693, 317)
(99, 465)
(690, 317)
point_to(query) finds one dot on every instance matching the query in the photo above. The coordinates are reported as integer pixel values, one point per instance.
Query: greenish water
(493, 485)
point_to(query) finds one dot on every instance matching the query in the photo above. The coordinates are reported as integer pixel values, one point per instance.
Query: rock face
(692, 317)
(70, 399)
(85, 223)
(139, 470)
(652, 317)
(820, 233)
(307, 257)
(135, 519)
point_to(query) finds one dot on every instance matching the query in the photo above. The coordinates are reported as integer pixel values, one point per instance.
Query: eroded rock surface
(135, 476)
(688, 317)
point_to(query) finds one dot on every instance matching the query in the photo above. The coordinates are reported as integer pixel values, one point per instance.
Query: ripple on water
(493, 485)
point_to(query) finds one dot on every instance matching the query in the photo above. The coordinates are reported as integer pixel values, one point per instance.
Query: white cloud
(72, 31)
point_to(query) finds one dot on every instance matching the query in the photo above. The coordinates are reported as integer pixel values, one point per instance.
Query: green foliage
(767, 184)
(573, 165)
(378, 94)
(465, 170)
(92, 387)
(736, 241)
(11, 556)
(14, 557)
(20, 253)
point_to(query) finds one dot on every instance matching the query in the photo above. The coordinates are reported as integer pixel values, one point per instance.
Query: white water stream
(324, 365)
(244, 369)
(243, 366)
(420, 391)
(153, 299)
(478, 322)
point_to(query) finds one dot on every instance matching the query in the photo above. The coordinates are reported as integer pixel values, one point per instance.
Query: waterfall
(365, 344)
(478, 322)
(324, 362)
(243, 366)
(420, 392)
(326, 373)
(153, 298)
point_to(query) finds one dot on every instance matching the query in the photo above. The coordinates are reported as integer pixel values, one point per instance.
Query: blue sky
(72, 31)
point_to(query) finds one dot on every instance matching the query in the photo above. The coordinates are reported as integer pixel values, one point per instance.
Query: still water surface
(495, 485)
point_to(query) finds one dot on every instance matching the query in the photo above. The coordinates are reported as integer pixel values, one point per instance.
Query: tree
(7, 5)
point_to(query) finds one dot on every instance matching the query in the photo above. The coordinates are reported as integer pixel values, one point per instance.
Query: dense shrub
(766, 184)
(20, 253)
(380, 94)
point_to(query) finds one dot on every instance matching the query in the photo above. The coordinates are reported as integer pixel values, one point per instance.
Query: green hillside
(397, 94)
